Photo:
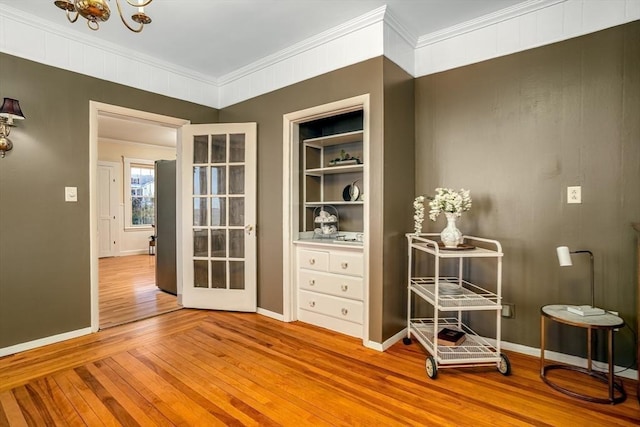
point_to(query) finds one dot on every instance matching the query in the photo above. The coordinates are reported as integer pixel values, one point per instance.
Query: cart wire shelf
(474, 348)
(469, 296)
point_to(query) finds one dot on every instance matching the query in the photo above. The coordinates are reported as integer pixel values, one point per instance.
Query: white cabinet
(451, 296)
(330, 288)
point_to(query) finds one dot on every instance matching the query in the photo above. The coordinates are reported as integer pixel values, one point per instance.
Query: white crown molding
(363, 21)
(486, 20)
(96, 42)
(403, 30)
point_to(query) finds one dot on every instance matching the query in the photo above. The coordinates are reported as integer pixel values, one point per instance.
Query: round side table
(607, 322)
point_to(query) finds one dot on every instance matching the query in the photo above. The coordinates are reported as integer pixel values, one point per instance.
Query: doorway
(123, 283)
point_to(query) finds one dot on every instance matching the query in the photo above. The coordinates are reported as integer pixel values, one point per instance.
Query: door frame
(96, 109)
(291, 203)
(113, 202)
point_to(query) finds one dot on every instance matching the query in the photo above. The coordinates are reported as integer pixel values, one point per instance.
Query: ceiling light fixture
(98, 10)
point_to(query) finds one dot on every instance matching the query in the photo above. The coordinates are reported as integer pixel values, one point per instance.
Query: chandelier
(98, 10)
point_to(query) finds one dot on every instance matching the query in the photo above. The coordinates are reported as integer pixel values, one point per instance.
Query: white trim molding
(43, 341)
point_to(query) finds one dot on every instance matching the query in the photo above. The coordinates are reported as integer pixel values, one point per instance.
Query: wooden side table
(607, 322)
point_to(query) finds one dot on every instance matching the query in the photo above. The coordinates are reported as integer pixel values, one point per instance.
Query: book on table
(451, 337)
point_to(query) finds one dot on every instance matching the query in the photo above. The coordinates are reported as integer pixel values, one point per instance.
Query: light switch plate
(70, 194)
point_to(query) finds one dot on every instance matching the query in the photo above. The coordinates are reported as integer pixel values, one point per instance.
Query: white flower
(448, 200)
(418, 216)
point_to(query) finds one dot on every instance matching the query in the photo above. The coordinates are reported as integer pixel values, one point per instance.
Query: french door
(218, 166)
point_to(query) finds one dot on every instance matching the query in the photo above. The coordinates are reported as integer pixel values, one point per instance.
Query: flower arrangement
(418, 216)
(449, 201)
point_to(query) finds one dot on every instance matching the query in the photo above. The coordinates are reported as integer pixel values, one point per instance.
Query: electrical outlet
(508, 311)
(574, 194)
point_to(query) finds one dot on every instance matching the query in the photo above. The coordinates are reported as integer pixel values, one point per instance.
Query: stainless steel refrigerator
(165, 225)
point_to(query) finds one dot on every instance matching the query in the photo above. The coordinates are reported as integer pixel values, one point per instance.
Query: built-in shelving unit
(331, 283)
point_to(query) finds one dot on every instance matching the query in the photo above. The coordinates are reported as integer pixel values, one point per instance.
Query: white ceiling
(217, 37)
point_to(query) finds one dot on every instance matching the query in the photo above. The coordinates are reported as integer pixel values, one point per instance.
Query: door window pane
(236, 179)
(218, 148)
(236, 243)
(219, 274)
(218, 211)
(218, 180)
(200, 274)
(201, 243)
(200, 148)
(200, 211)
(236, 211)
(219, 243)
(236, 274)
(236, 147)
(200, 180)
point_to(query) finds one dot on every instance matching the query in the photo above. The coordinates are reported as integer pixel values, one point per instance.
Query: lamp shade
(11, 109)
(564, 257)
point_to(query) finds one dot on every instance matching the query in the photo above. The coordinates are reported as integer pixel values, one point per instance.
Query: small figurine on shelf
(345, 159)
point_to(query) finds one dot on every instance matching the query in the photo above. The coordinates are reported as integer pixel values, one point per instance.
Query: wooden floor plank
(196, 367)
(128, 291)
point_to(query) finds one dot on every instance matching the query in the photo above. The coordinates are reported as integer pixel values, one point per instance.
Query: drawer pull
(312, 282)
(344, 288)
(312, 261)
(345, 311)
(312, 304)
(344, 265)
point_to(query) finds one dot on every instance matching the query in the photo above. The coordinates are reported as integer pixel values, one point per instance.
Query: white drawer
(313, 260)
(346, 263)
(333, 284)
(339, 308)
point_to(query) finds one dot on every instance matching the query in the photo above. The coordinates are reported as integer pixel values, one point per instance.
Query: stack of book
(451, 337)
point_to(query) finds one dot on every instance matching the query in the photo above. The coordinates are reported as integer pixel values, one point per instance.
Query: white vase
(451, 236)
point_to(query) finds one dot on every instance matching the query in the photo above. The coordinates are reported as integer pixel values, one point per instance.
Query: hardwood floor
(128, 290)
(206, 368)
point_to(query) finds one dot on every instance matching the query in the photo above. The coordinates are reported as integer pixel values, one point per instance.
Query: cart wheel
(504, 366)
(432, 369)
(406, 340)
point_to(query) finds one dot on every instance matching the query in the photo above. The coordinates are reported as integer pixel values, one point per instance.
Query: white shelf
(335, 202)
(330, 170)
(474, 349)
(341, 138)
(470, 296)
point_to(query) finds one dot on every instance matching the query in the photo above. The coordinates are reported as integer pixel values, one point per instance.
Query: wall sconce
(10, 110)
(564, 259)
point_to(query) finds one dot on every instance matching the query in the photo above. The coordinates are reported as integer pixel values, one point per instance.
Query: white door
(107, 209)
(218, 166)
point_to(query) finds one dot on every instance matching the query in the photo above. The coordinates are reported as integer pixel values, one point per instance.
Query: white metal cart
(450, 297)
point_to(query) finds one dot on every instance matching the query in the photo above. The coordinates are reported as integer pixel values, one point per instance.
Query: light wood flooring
(128, 290)
(206, 368)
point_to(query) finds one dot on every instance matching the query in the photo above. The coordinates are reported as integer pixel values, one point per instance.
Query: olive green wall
(399, 183)
(44, 241)
(517, 131)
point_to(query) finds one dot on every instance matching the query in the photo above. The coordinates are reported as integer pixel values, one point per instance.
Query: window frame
(128, 214)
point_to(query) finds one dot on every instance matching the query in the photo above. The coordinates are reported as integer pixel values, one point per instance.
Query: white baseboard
(43, 341)
(271, 314)
(387, 343)
(134, 252)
